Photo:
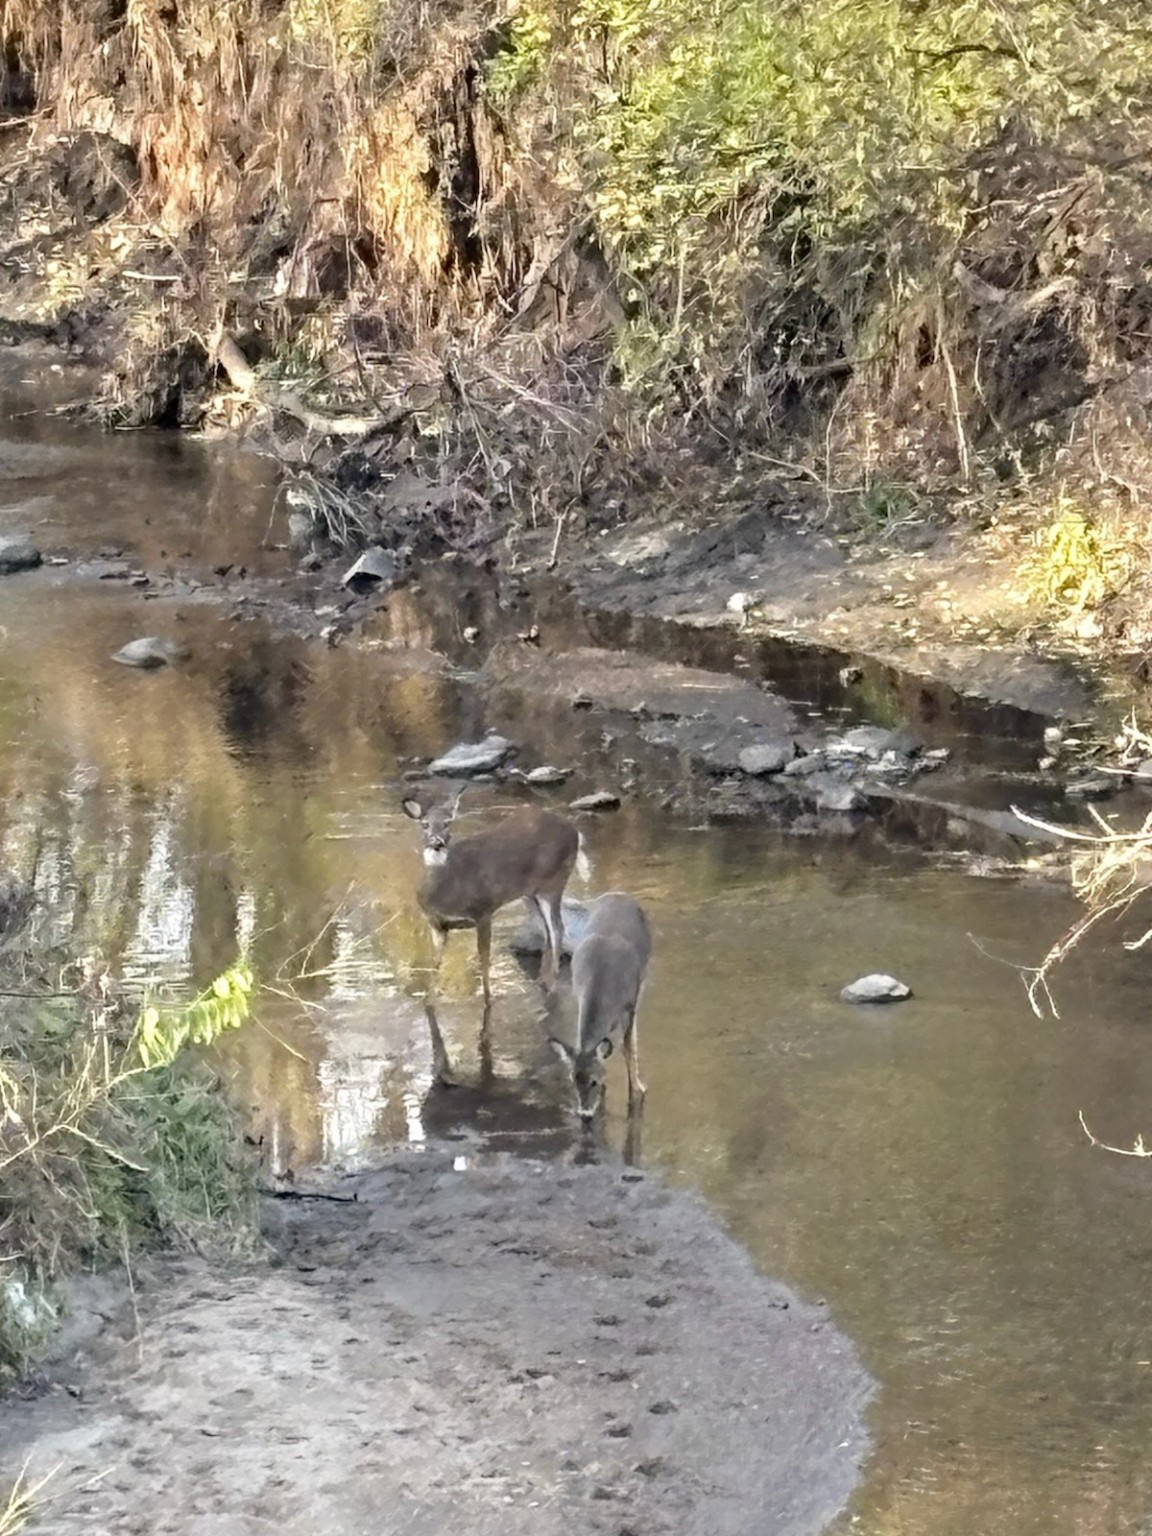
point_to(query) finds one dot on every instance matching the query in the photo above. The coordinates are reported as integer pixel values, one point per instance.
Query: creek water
(921, 1167)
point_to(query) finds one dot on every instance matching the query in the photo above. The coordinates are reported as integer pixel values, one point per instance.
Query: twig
(1080, 837)
(1137, 1149)
(554, 556)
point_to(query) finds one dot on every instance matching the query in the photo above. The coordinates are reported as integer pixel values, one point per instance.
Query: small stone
(766, 757)
(740, 602)
(150, 652)
(871, 741)
(546, 774)
(18, 553)
(801, 767)
(876, 988)
(599, 800)
(840, 797)
(1053, 738)
(470, 634)
(474, 757)
(938, 755)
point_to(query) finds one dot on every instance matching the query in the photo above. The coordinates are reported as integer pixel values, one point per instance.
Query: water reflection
(921, 1167)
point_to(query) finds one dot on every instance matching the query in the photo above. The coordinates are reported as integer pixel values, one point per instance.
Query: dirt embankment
(510, 1347)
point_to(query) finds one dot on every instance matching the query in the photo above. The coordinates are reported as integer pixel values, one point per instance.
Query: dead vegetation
(561, 258)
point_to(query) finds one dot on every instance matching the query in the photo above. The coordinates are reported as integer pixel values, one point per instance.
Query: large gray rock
(472, 757)
(766, 757)
(875, 988)
(18, 553)
(150, 652)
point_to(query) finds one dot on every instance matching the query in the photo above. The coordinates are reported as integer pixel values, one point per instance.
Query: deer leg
(636, 1089)
(487, 1072)
(441, 1061)
(484, 951)
(633, 1148)
(551, 910)
(439, 944)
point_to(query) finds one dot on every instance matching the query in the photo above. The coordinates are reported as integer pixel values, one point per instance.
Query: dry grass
(22, 1502)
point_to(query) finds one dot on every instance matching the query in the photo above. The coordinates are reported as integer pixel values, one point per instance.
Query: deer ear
(565, 1052)
(604, 1049)
(413, 808)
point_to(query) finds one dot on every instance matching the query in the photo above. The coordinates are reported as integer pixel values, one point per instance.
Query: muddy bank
(512, 1347)
(936, 605)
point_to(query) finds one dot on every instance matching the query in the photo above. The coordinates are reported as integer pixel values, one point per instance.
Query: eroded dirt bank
(512, 1347)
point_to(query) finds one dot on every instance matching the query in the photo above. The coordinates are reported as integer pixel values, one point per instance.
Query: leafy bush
(114, 1135)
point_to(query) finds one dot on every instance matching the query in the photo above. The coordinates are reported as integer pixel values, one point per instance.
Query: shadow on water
(920, 1166)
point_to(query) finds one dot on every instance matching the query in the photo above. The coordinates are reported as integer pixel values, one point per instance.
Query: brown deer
(467, 880)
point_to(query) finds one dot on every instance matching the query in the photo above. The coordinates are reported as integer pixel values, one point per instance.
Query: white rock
(876, 988)
(149, 652)
(546, 774)
(474, 756)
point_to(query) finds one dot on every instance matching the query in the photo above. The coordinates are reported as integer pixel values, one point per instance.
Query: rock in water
(18, 553)
(876, 988)
(149, 652)
(474, 756)
(766, 757)
(840, 797)
(599, 800)
(872, 741)
(546, 774)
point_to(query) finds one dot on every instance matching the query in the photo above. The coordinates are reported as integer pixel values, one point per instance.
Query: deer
(530, 855)
(609, 964)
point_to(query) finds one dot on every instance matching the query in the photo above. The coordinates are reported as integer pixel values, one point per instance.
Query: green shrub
(114, 1136)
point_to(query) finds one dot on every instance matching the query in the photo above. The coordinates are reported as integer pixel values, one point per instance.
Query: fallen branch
(243, 377)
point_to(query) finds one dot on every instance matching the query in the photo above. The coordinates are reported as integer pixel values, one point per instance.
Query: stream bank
(504, 1347)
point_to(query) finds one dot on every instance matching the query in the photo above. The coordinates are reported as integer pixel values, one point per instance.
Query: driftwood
(244, 377)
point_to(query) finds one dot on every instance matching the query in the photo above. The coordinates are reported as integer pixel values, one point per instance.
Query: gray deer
(608, 969)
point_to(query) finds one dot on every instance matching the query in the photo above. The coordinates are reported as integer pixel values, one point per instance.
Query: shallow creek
(921, 1167)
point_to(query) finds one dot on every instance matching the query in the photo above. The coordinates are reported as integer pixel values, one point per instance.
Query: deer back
(608, 967)
(529, 852)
